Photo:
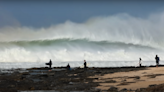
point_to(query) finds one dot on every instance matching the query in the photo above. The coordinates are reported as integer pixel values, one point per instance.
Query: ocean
(111, 41)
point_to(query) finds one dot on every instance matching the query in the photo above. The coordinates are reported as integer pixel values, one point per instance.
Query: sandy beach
(132, 80)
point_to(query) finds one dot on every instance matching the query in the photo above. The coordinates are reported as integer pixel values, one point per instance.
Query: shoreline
(93, 79)
(19, 64)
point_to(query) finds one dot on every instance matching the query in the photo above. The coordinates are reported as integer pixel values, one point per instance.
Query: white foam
(118, 28)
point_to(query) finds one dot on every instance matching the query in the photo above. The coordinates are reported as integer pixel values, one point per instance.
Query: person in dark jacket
(85, 64)
(50, 63)
(140, 62)
(68, 67)
(157, 60)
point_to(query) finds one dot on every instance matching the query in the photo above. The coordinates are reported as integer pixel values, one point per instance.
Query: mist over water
(105, 39)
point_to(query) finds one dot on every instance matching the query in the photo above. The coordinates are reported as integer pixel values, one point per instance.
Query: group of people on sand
(68, 66)
(85, 63)
(156, 59)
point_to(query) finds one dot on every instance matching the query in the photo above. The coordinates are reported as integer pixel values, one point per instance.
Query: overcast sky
(39, 13)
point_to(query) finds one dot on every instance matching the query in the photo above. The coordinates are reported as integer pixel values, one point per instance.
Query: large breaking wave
(110, 38)
(81, 43)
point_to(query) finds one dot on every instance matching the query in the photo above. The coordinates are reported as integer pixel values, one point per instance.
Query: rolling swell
(65, 42)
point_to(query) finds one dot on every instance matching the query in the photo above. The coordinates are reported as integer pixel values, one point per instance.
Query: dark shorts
(157, 62)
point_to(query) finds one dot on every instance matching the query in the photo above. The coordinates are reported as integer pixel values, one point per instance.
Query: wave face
(112, 38)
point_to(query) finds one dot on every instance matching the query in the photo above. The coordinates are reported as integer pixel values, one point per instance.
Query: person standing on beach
(50, 63)
(140, 62)
(85, 64)
(157, 60)
(68, 67)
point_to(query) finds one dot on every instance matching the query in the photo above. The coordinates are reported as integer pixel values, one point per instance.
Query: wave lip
(74, 42)
(118, 28)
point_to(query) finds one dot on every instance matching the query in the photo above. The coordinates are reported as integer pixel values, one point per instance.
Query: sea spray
(113, 38)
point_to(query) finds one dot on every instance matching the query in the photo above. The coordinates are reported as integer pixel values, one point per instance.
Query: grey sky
(35, 13)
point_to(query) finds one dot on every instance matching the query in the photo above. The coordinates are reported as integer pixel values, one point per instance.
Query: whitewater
(106, 41)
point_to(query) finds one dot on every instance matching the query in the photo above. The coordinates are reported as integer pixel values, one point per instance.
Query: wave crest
(74, 42)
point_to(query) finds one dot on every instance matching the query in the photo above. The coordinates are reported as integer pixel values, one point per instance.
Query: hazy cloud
(6, 19)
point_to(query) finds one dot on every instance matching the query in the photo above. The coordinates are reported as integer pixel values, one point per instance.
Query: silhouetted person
(50, 63)
(140, 61)
(85, 64)
(68, 67)
(157, 60)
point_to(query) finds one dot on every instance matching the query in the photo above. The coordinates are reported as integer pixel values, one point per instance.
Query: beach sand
(131, 80)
